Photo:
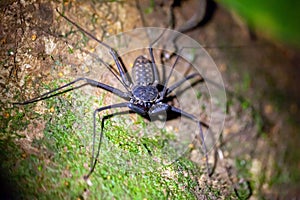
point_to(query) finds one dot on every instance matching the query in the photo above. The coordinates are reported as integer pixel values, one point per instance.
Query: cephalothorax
(145, 94)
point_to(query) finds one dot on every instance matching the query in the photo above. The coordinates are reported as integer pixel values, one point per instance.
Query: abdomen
(142, 73)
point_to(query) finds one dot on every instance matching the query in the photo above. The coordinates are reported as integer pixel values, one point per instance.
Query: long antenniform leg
(95, 158)
(88, 81)
(114, 54)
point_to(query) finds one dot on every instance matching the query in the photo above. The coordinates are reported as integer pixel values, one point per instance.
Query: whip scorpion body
(144, 95)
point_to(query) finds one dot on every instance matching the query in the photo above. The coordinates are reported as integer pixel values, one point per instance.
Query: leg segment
(95, 158)
(154, 67)
(124, 76)
(163, 93)
(177, 84)
(200, 124)
(91, 82)
(163, 107)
